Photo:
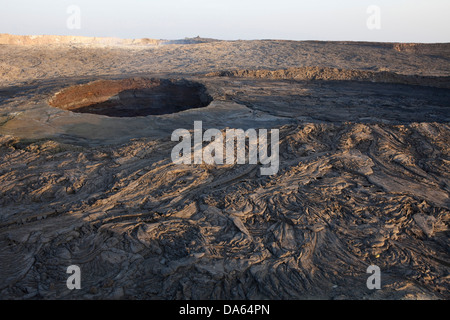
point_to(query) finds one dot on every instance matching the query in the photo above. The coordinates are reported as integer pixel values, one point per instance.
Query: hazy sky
(400, 20)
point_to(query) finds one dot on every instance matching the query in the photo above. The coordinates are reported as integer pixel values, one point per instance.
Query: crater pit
(134, 97)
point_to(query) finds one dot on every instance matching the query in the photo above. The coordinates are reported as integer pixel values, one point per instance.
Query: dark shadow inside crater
(133, 97)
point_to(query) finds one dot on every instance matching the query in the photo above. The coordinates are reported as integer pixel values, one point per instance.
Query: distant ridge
(10, 39)
(6, 38)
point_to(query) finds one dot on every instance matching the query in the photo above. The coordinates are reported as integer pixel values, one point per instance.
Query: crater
(133, 97)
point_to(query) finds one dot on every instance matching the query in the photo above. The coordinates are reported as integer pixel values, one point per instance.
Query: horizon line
(213, 39)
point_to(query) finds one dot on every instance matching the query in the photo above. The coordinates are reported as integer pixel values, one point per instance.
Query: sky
(351, 20)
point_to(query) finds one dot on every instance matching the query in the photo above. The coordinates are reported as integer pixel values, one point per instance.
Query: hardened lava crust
(86, 176)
